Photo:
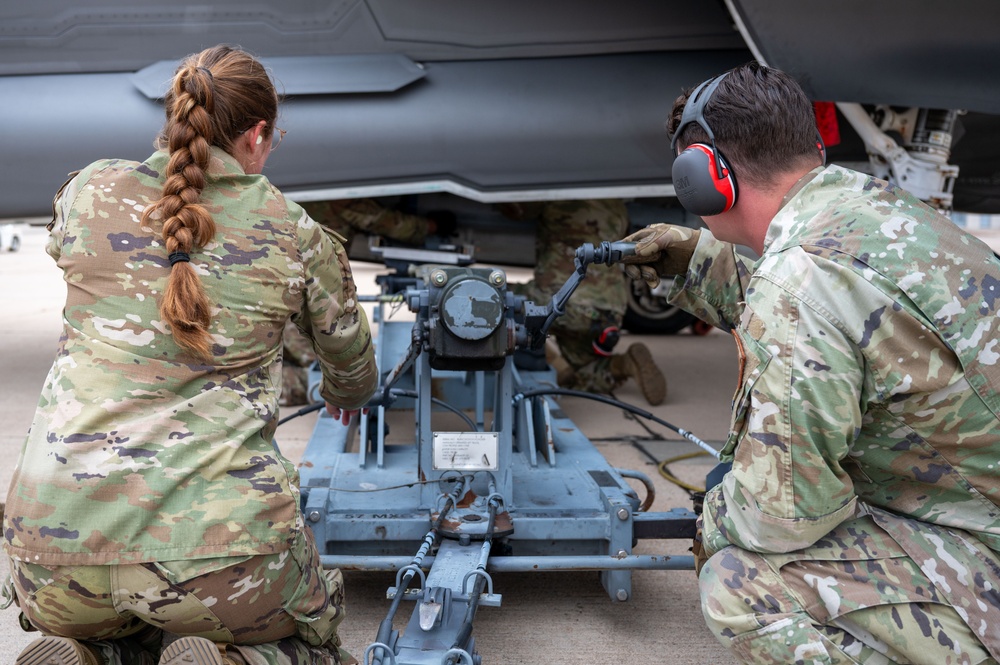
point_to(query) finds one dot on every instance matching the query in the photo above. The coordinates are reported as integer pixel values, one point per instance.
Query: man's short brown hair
(763, 123)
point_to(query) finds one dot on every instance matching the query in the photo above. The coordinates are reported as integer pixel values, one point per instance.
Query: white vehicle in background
(10, 236)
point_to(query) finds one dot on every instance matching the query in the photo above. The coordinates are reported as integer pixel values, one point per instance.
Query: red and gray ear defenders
(704, 183)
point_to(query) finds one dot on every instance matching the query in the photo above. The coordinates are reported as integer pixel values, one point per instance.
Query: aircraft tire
(650, 314)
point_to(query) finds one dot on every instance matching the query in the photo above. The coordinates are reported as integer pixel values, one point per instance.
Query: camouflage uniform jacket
(869, 335)
(140, 452)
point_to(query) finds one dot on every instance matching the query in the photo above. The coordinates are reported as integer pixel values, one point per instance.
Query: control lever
(607, 253)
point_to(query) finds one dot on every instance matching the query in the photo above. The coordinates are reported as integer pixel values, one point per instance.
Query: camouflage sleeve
(368, 216)
(795, 415)
(332, 317)
(327, 213)
(62, 204)
(714, 285)
(349, 216)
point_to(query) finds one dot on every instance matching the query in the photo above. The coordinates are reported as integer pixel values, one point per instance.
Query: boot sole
(191, 651)
(54, 651)
(652, 383)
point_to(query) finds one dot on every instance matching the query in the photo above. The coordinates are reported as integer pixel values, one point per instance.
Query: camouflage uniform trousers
(574, 334)
(276, 609)
(817, 606)
(600, 299)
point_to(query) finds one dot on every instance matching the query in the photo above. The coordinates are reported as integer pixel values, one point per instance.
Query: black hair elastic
(178, 257)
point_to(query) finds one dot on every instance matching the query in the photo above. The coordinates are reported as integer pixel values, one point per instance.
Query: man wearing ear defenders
(860, 522)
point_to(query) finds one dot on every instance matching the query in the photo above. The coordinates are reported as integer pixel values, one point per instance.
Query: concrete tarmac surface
(555, 618)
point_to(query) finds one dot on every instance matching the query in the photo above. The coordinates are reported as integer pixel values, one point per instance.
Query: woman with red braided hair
(150, 516)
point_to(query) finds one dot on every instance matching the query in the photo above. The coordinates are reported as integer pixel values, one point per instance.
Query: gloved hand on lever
(660, 249)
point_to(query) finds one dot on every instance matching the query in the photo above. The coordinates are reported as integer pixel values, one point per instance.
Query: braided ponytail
(216, 95)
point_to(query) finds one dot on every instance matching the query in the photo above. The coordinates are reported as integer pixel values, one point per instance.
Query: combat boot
(637, 363)
(197, 651)
(52, 650)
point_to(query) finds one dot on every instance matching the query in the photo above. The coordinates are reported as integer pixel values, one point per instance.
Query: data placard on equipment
(466, 451)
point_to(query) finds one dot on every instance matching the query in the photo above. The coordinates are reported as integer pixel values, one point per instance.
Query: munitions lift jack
(526, 491)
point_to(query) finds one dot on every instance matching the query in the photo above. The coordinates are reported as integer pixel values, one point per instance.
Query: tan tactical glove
(660, 249)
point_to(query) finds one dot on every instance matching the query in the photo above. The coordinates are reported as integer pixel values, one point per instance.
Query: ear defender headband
(704, 183)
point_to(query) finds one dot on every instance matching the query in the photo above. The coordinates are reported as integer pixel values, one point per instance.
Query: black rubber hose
(624, 406)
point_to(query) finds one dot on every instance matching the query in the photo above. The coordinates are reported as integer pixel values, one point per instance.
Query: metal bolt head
(439, 278)
(498, 278)
(622, 595)
(314, 516)
(622, 514)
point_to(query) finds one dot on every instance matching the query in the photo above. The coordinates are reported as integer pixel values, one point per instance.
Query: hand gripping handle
(607, 252)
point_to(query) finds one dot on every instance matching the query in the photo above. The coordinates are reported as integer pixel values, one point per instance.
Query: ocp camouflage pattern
(139, 451)
(870, 385)
(600, 299)
(851, 597)
(272, 609)
(348, 217)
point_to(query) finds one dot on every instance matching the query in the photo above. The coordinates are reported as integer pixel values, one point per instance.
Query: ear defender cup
(697, 183)
(703, 182)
